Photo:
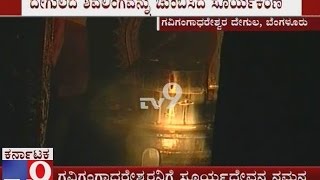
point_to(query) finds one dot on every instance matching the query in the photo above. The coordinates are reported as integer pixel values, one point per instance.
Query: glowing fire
(171, 111)
(184, 112)
(181, 113)
(169, 143)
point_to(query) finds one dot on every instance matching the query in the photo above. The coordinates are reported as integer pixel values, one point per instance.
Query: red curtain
(71, 72)
(59, 29)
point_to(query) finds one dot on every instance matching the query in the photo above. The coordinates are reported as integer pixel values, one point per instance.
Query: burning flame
(171, 111)
(182, 113)
(169, 143)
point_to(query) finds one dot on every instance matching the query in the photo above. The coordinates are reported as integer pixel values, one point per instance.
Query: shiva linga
(140, 115)
(178, 133)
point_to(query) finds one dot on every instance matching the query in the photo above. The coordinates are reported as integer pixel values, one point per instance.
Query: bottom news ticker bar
(238, 24)
(185, 173)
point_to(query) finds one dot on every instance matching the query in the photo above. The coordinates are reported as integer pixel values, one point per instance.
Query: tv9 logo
(167, 91)
(27, 164)
(40, 170)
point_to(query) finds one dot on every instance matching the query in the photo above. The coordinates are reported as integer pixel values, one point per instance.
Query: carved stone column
(214, 68)
(52, 44)
(46, 65)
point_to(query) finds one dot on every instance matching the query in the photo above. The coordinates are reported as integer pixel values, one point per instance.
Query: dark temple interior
(266, 111)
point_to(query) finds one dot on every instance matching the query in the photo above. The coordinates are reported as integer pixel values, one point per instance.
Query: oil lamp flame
(169, 143)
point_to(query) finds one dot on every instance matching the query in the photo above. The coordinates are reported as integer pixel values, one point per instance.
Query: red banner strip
(10, 7)
(240, 24)
(310, 7)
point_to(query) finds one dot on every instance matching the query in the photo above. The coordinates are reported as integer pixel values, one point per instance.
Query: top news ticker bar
(159, 8)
